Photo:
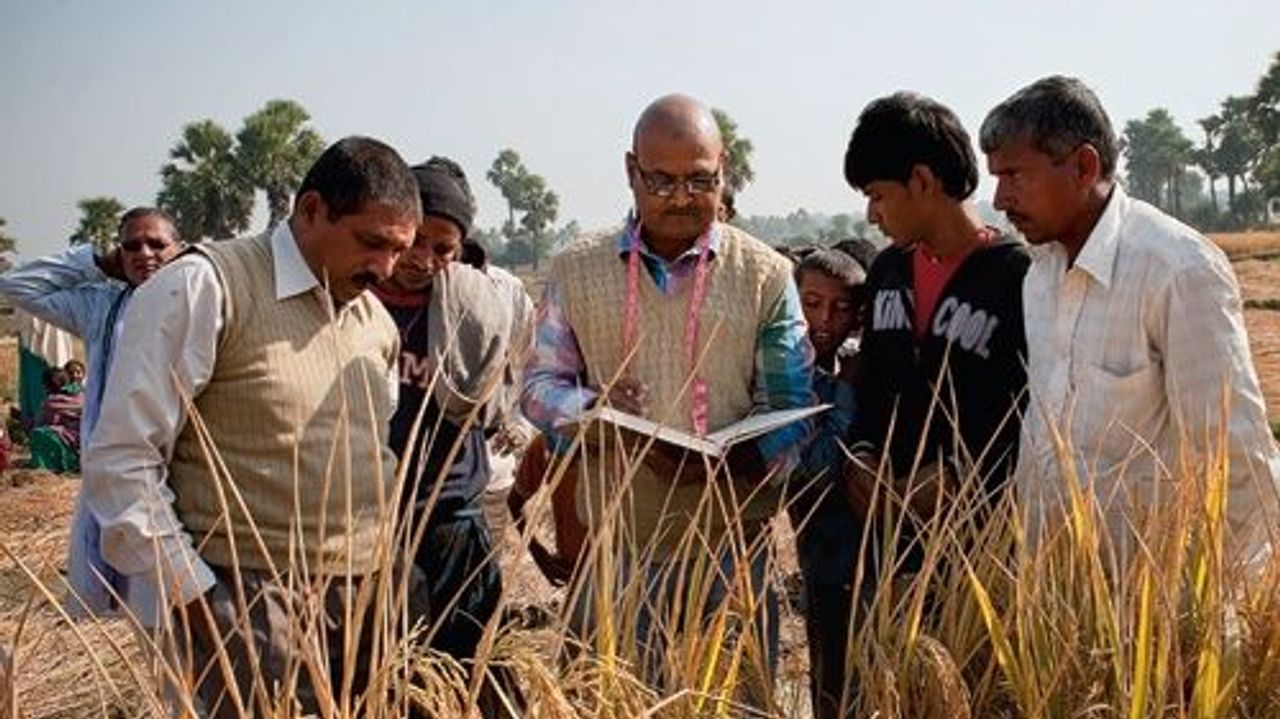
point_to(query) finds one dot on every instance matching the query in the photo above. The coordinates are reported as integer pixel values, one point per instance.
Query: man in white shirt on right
(1136, 340)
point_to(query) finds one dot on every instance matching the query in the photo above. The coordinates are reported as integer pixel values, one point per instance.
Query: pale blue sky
(95, 93)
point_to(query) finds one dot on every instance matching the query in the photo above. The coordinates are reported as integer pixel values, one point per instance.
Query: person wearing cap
(455, 345)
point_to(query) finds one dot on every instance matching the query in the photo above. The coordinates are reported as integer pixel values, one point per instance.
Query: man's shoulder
(1005, 255)
(379, 318)
(589, 245)
(753, 251)
(1152, 237)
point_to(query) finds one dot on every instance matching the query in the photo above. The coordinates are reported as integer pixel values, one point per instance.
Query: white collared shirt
(1139, 340)
(167, 352)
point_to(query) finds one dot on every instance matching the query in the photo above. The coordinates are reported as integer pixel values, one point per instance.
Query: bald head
(676, 172)
(677, 118)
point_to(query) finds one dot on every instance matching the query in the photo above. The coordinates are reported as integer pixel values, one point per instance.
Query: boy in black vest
(942, 361)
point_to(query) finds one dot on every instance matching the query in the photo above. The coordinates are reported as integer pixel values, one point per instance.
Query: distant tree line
(1239, 152)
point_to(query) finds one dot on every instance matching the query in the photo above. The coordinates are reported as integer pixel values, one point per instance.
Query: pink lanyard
(631, 317)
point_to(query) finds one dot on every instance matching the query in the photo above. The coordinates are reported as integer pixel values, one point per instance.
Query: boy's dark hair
(898, 132)
(357, 170)
(1058, 114)
(836, 265)
(55, 378)
(73, 363)
(860, 249)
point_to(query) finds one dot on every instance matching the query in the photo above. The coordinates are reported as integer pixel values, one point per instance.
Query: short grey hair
(1058, 114)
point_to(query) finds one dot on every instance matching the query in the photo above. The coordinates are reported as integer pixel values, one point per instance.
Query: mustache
(684, 212)
(364, 280)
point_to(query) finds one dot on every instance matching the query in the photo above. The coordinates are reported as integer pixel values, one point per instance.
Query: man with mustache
(86, 294)
(1138, 357)
(242, 455)
(702, 323)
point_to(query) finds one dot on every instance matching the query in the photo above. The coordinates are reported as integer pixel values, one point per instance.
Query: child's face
(830, 310)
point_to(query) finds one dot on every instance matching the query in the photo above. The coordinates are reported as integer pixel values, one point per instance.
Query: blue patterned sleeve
(553, 376)
(784, 380)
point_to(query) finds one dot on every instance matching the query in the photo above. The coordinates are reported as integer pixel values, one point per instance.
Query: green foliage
(1156, 154)
(738, 150)
(1241, 145)
(210, 186)
(99, 222)
(204, 188)
(274, 150)
(529, 195)
(802, 227)
(8, 245)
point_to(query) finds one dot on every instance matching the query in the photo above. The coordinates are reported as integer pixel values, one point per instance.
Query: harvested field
(1264, 340)
(1259, 279)
(1248, 244)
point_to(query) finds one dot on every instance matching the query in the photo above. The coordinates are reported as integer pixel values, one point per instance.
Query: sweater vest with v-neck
(745, 281)
(296, 413)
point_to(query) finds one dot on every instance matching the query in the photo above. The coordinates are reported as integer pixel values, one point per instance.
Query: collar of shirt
(661, 270)
(293, 276)
(1098, 255)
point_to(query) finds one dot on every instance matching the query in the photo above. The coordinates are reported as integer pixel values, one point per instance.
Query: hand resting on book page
(629, 395)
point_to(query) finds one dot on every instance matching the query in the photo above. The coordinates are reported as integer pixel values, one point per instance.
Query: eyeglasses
(136, 245)
(660, 184)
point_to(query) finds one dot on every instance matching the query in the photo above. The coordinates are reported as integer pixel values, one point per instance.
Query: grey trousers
(289, 652)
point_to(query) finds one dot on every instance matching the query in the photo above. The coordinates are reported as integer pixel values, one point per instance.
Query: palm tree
(508, 174)
(275, 151)
(99, 222)
(1238, 147)
(204, 189)
(737, 171)
(1206, 156)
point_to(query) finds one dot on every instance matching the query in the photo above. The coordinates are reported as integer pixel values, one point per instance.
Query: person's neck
(1081, 226)
(668, 248)
(956, 232)
(304, 250)
(826, 362)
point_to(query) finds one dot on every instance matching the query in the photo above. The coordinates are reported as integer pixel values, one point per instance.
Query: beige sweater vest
(297, 411)
(746, 281)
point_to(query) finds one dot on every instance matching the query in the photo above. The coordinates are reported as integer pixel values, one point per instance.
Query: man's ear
(309, 205)
(629, 166)
(1088, 165)
(922, 180)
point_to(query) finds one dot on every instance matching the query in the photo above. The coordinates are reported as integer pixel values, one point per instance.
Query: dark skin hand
(112, 265)
(927, 488)
(743, 461)
(629, 395)
(557, 569)
(860, 484)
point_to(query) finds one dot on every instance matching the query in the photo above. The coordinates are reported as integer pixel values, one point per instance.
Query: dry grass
(1246, 244)
(9, 367)
(1264, 341)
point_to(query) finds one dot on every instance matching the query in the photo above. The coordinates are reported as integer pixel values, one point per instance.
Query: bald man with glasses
(701, 325)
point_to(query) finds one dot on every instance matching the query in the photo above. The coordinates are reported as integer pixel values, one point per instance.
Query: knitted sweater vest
(745, 282)
(297, 411)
